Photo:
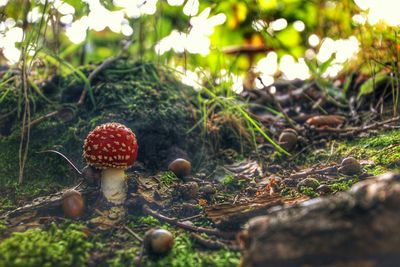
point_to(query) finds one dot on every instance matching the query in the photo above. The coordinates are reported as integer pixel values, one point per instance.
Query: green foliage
(233, 182)
(222, 258)
(308, 191)
(168, 178)
(54, 247)
(149, 221)
(124, 257)
(2, 226)
(369, 86)
(342, 185)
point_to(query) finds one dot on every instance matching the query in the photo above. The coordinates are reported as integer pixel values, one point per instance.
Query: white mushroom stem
(113, 185)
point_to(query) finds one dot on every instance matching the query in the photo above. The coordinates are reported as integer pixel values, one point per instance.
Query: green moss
(233, 183)
(308, 191)
(54, 247)
(382, 149)
(148, 221)
(124, 257)
(342, 185)
(168, 178)
(3, 227)
(182, 255)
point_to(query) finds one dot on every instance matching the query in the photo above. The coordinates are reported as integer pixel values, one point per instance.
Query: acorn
(288, 139)
(180, 167)
(73, 204)
(350, 166)
(159, 241)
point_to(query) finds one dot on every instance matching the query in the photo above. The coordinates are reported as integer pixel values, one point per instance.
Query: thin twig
(42, 118)
(212, 244)
(64, 157)
(2, 117)
(355, 130)
(147, 210)
(191, 217)
(100, 68)
(26, 118)
(138, 261)
(136, 236)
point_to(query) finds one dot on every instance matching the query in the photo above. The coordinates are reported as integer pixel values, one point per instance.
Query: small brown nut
(73, 204)
(181, 167)
(160, 241)
(350, 166)
(288, 139)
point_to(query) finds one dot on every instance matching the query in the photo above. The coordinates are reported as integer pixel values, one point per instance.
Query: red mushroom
(112, 148)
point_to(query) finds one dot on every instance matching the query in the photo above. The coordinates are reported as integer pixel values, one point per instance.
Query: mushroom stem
(113, 185)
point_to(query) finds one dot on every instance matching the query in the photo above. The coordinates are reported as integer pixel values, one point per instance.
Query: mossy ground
(70, 244)
(379, 153)
(381, 149)
(146, 98)
(56, 246)
(183, 254)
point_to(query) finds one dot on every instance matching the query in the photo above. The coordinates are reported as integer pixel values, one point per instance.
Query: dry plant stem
(301, 175)
(147, 210)
(64, 157)
(355, 130)
(281, 110)
(25, 131)
(2, 117)
(42, 118)
(136, 236)
(138, 261)
(212, 244)
(100, 68)
(191, 217)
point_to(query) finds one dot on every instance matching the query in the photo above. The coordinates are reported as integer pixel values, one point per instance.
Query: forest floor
(236, 176)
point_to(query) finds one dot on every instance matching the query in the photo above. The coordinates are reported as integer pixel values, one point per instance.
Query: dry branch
(147, 210)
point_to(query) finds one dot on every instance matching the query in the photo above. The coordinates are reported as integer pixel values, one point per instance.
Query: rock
(359, 227)
(350, 166)
(323, 189)
(288, 139)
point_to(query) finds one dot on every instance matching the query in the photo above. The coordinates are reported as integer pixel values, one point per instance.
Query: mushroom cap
(110, 145)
